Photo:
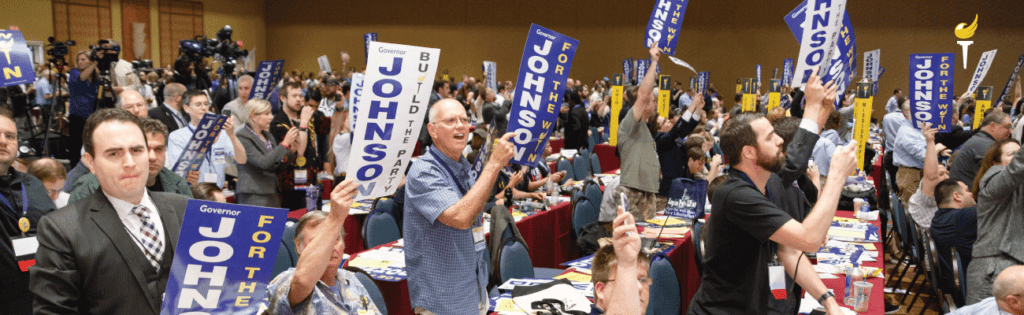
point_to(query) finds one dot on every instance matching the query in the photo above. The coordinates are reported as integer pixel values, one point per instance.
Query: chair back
(565, 165)
(287, 256)
(514, 261)
(959, 279)
(664, 291)
(581, 165)
(380, 228)
(584, 212)
(385, 203)
(595, 164)
(592, 190)
(698, 245)
(371, 289)
(594, 139)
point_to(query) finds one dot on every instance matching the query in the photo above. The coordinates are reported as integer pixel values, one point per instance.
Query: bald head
(132, 101)
(1009, 282)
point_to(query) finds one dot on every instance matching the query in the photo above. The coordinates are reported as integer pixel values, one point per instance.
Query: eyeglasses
(453, 120)
(641, 280)
(53, 191)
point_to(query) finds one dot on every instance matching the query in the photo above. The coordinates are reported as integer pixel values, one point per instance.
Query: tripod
(56, 107)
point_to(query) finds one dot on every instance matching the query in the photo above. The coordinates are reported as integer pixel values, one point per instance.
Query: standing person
(994, 127)
(83, 86)
(171, 113)
(743, 232)
(24, 202)
(265, 156)
(225, 146)
(313, 129)
(443, 223)
(892, 106)
(118, 262)
(44, 89)
(640, 170)
(235, 105)
(577, 125)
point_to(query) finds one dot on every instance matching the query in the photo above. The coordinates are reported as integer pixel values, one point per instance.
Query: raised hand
(503, 150)
(342, 197)
(844, 160)
(625, 238)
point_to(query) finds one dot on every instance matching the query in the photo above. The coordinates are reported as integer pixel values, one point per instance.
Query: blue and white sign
(491, 69)
(17, 62)
(1013, 77)
(267, 75)
(547, 59)
(484, 154)
(627, 68)
(703, 80)
(787, 71)
(931, 90)
(871, 64)
(357, 96)
(224, 258)
(686, 198)
(663, 27)
(881, 71)
(325, 65)
(758, 76)
(641, 69)
(395, 95)
(679, 62)
(979, 73)
(818, 31)
(198, 147)
(367, 39)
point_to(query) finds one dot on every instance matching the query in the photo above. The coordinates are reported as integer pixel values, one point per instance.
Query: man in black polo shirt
(313, 131)
(746, 225)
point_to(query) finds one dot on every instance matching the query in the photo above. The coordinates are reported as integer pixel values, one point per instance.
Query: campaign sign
(267, 76)
(17, 64)
(703, 80)
(871, 62)
(224, 257)
(325, 65)
(1013, 77)
(981, 70)
(663, 27)
(396, 90)
(664, 95)
(367, 39)
(818, 29)
(547, 59)
(491, 70)
(641, 69)
(774, 94)
(843, 61)
(627, 69)
(759, 76)
(202, 139)
(693, 83)
(982, 103)
(581, 263)
(686, 198)
(862, 120)
(787, 71)
(357, 96)
(679, 62)
(874, 89)
(749, 95)
(931, 90)
(616, 109)
(485, 152)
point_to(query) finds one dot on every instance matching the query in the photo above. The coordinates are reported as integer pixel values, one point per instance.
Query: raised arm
(625, 299)
(315, 257)
(462, 213)
(931, 173)
(800, 149)
(643, 108)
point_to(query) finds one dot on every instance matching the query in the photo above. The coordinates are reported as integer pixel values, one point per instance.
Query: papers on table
(385, 263)
(585, 288)
(669, 232)
(850, 230)
(667, 221)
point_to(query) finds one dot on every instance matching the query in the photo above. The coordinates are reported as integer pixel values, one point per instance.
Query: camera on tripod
(143, 66)
(58, 50)
(201, 47)
(104, 54)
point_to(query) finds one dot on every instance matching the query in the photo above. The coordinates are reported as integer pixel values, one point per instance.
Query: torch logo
(964, 31)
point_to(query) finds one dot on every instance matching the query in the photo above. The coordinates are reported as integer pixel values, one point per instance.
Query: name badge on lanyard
(219, 156)
(300, 176)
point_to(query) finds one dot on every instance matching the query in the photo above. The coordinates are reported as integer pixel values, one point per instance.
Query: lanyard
(443, 164)
(266, 142)
(207, 155)
(24, 202)
(177, 117)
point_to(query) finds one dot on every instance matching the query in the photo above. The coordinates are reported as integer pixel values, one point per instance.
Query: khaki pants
(908, 179)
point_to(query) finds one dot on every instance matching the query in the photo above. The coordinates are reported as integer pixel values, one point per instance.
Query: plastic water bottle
(853, 276)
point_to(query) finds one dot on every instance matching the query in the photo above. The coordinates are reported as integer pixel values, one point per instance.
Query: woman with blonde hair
(257, 178)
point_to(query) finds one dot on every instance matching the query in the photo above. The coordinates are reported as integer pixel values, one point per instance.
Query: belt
(913, 168)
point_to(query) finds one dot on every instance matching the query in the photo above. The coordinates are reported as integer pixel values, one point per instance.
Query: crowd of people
(776, 177)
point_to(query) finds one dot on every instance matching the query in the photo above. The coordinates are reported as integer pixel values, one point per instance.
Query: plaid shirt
(347, 296)
(446, 274)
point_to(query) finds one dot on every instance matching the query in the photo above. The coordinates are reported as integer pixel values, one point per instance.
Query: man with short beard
(747, 225)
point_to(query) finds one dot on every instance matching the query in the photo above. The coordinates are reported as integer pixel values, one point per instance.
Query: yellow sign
(616, 108)
(664, 95)
(739, 86)
(749, 98)
(982, 104)
(774, 94)
(862, 120)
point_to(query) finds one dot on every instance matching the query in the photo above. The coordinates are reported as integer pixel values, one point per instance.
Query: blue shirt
(892, 106)
(220, 153)
(822, 154)
(910, 147)
(447, 275)
(43, 87)
(988, 306)
(891, 124)
(684, 101)
(83, 94)
(347, 296)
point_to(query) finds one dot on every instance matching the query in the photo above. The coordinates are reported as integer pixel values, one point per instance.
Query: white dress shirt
(133, 223)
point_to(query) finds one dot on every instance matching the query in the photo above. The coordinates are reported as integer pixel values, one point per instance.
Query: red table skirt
(556, 145)
(606, 154)
(838, 286)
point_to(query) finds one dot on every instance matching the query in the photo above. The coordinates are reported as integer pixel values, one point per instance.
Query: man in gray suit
(110, 253)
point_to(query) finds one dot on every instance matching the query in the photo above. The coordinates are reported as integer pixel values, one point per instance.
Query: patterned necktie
(150, 238)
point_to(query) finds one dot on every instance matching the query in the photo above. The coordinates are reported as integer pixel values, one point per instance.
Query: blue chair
(959, 279)
(371, 288)
(698, 246)
(581, 165)
(665, 297)
(287, 256)
(565, 165)
(595, 138)
(584, 212)
(593, 192)
(385, 203)
(595, 164)
(380, 228)
(515, 263)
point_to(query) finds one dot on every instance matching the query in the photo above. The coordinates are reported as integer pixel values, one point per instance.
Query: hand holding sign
(929, 132)
(625, 238)
(844, 160)
(655, 54)
(815, 93)
(503, 151)
(341, 199)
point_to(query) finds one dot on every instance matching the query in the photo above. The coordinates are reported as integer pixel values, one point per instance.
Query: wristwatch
(821, 300)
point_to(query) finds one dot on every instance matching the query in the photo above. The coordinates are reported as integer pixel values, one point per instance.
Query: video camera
(58, 50)
(104, 54)
(144, 65)
(201, 47)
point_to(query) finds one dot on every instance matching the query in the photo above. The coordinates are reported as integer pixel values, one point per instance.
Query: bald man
(1007, 295)
(133, 102)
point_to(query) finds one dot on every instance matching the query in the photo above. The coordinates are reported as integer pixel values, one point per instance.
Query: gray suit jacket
(259, 173)
(87, 262)
(1000, 198)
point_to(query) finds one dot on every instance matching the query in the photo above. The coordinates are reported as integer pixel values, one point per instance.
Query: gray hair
(432, 113)
(253, 106)
(172, 90)
(310, 219)
(245, 78)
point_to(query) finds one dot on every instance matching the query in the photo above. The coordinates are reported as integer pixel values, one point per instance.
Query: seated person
(621, 271)
(538, 176)
(208, 191)
(52, 174)
(922, 205)
(1006, 296)
(317, 285)
(955, 225)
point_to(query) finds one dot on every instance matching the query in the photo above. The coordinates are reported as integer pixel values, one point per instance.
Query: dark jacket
(576, 126)
(15, 297)
(164, 115)
(169, 182)
(672, 154)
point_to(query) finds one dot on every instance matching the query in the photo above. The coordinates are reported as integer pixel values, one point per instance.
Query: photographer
(185, 71)
(83, 83)
(122, 76)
